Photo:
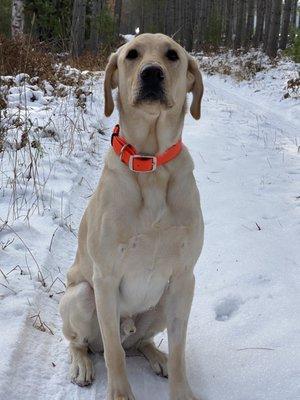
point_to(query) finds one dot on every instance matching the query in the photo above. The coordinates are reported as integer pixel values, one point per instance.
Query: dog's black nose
(152, 74)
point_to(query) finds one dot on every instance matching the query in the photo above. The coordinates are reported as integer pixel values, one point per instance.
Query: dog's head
(153, 72)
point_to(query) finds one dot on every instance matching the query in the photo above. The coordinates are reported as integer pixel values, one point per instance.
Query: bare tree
(250, 22)
(96, 7)
(189, 11)
(240, 23)
(17, 18)
(285, 23)
(203, 20)
(169, 15)
(181, 18)
(229, 22)
(78, 27)
(260, 18)
(294, 13)
(118, 13)
(273, 36)
(267, 23)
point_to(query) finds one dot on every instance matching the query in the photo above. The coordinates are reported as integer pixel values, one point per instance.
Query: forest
(88, 25)
(57, 80)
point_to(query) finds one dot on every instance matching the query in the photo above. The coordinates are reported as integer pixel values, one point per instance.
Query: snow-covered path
(243, 339)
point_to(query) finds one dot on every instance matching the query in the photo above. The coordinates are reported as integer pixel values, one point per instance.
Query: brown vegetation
(25, 55)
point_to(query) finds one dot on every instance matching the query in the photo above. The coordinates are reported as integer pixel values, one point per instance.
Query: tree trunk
(142, 17)
(250, 23)
(260, 17)
(182, 12)
(169, 16)
(240, 23)
(229, 22)
(118, 13)
(17, 18)
(78, 27)
(285, 23)
(294, 13)
(96, 8)
(274, 28)
(267, 23)
(203, 21)
(189, 10)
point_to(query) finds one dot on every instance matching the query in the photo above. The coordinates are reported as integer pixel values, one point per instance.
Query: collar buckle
(140, 158)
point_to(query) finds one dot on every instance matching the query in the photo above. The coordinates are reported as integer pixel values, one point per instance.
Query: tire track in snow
(32, 374)
(38, 367)
(256, 105)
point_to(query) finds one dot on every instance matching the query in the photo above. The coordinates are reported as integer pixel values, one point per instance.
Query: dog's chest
(147, 262)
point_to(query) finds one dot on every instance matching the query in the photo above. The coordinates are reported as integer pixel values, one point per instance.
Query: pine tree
(260, 18)
(78, 27)
(240, 24)
(229, 22)
(250, 22)
(118, 14)
(96, 7)
(273, 36)
(285, 23)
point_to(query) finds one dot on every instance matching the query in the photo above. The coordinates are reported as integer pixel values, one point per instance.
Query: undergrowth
(240, 65)
(26, 55)
(43, 106)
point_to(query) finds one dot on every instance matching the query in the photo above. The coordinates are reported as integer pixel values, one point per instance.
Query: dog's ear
(110, 82)
(194, 85)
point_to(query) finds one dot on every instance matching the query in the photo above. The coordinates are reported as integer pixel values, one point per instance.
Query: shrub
(294, 50)
(26, 56)
(106, 26)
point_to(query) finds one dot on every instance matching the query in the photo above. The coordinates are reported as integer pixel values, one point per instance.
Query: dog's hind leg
(157, 359)
(147, 325)
(81, 328)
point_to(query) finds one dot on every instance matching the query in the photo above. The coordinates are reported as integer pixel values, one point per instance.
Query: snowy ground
(243, 339)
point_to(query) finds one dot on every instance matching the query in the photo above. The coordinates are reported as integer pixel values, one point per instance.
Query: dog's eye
(132, 54)
(172, 55)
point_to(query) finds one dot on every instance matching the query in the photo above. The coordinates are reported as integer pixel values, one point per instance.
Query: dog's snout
(152, 74)
(151, 85)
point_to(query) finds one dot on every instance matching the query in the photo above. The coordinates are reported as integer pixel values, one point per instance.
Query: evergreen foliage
(5, 17)
(196, 24)
(294, 50)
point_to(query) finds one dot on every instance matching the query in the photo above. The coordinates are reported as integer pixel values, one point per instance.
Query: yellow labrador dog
(142, 231)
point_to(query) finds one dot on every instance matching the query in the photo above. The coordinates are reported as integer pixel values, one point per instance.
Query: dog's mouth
(151, 84)
(151, 94)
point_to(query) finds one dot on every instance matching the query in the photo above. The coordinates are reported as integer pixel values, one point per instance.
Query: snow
(128, 37)
(243, 337)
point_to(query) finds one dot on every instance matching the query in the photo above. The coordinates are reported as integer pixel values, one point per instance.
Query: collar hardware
(138, 162)
(137, 157)
(124, 147)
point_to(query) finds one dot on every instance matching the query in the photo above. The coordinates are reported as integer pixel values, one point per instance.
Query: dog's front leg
(178, 305)
(106, 295)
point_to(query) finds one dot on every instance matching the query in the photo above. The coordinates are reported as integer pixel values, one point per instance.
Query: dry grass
(37, 60)
(26, 56)
(239, 64)
(39, 324)
(293, 88)
(89, 61)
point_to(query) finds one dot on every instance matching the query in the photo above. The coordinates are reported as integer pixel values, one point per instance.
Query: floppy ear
(109, 84)
(195, 85)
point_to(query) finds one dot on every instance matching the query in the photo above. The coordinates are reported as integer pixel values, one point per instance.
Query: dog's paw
(82, 371)
(159, 363)
(182, 394)
(120, 391)
(157, 359)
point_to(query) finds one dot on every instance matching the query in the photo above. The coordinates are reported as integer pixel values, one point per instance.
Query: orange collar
(137, 162)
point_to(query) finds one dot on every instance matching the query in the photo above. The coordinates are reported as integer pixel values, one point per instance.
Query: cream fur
(140, 235)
